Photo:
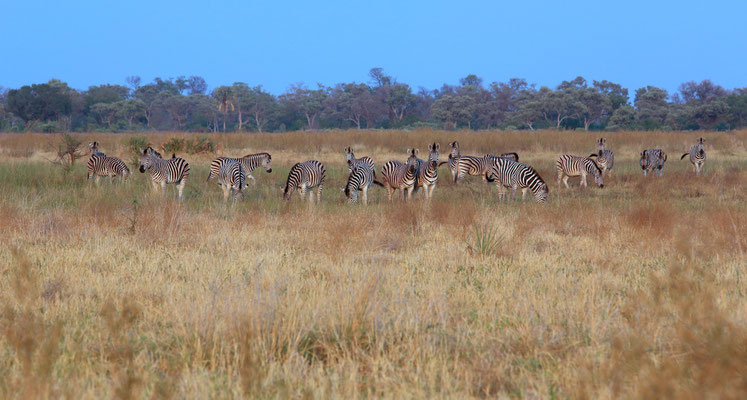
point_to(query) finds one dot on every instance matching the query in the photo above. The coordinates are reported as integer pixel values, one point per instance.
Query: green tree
(129, 110)
(105, 113)
(622, 118)
(42, 102)
(452, 109)
(652, 107)
(224, 98)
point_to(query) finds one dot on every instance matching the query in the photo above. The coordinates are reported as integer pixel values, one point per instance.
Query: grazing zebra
(303, 176)
(232, 178)
(653, 159)
(428, 172)
(353, 162)
(605, 158)
(175, 170)
(478, 166)
(568, 165)
(508, 173)
(249, 163)
(697, 156)
(100, 165)
(401, 176)
(94, 149)
(361, 177)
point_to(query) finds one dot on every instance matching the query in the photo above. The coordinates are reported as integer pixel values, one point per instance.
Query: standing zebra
(361, 177)
(653, 159)
(508, 173)
(232, 178)
(453, 158)
(174, 170)
(353, 162)
(100, 165)
(605, 158)
(401, 176)
(303, 176)
(697, 156)
(249, 162)
(568, 165)
(428, 172)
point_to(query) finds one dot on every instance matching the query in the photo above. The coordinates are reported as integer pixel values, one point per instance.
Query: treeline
(185, 104)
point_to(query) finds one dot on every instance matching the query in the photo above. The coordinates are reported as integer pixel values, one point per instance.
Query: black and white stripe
(304, 176)
(396, 175)
(232, 178)
(428, 171)
(101, 165)
(697, 156)
(605, 158)
(568, 166)
(353, 162)
(249, 163)
(653, 160)
(512, 174)
(175, 170)
(360, 179)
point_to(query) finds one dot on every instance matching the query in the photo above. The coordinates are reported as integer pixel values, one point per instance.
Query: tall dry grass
(636, 290)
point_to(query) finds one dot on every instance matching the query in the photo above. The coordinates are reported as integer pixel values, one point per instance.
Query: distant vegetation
(185, 104)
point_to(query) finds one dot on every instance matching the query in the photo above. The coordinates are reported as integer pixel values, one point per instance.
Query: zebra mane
(269, 157)
(599, 170)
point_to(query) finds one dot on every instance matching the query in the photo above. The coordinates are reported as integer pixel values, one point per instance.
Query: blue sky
(423, 43)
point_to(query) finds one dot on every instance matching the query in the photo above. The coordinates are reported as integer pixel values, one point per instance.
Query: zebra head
(454, 149)
(349, 156)
(412, 161)
(643, 162)
(93, 147)
(600, 143)
(597, 172)
(267, 163)
(433, 155)
(701, 141)
(146, 159)
(351, 193)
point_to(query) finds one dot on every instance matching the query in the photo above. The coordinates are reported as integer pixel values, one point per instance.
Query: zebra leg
(155, 185)
(302, 192)
(319, 194)
(389, 191)
(565, 181)
(179, 187)
(432, 187)
(524, 194)
(560, 177)
(226, 192)
(365, 195)
(513, 192)
(163, 188)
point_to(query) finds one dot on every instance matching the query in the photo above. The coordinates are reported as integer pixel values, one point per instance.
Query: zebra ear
(438, 147)
(415, 152)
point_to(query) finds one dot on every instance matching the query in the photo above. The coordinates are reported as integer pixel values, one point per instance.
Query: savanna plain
(636, 290)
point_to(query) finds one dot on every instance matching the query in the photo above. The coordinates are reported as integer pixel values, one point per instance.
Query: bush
(200, 145)
(134, 145)
(174, 145)
(47, 127)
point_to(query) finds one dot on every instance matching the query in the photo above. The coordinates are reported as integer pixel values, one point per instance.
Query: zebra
(509, 173)
(478, 166)
(349, 156)
(232, 178)
(361, 177)
(94, 149)
(303, 176)
(605, 158)
(453, 158)
(249, 163)
(568, 165)
(697, 156)
(100, 165)
(401, 176)
(175, 170)
(653, 159)
(428, 172)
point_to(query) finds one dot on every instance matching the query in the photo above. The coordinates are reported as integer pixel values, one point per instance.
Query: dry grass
(113, 292)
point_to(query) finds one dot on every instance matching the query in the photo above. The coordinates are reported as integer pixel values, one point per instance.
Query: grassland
(636, 290)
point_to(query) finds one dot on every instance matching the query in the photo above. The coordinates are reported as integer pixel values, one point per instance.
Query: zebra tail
(683, 156)
(376, 182)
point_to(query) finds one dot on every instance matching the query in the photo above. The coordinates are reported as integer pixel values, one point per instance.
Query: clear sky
(423, 43)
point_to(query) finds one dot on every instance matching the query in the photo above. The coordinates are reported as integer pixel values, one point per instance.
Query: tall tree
(652, 107)
(224, 98)
(309, 103)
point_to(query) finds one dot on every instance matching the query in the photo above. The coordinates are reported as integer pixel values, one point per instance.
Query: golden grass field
(637, 290)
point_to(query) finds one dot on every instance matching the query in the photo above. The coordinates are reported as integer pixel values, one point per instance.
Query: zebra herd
(413, 175)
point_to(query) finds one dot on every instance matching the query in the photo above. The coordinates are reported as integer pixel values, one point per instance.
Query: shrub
(174, 145)
(200, 145)
(134, 145)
